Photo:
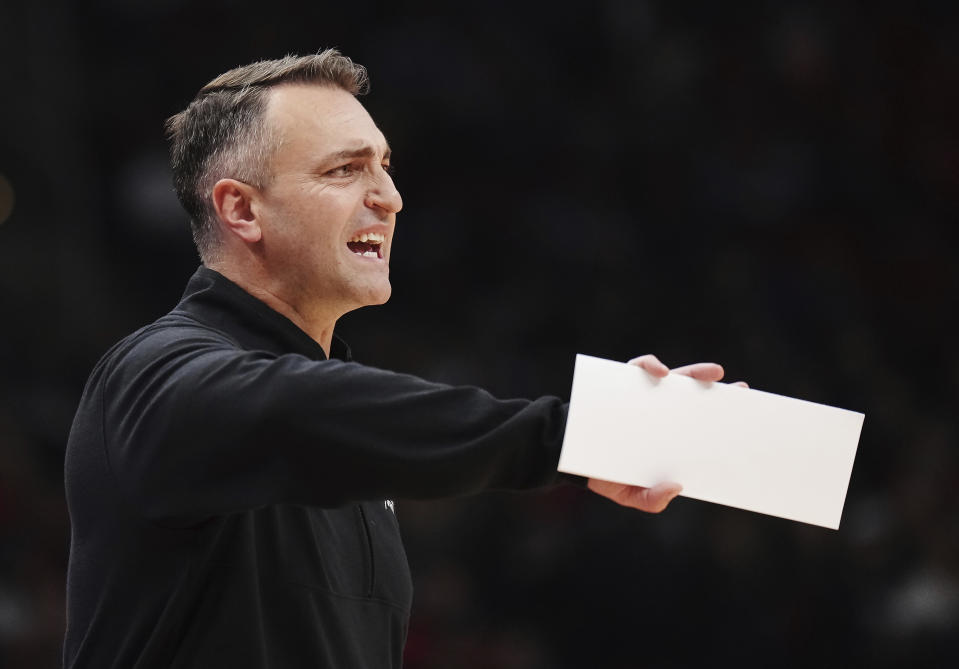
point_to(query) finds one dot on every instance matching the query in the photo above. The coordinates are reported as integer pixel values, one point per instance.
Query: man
(229, 471)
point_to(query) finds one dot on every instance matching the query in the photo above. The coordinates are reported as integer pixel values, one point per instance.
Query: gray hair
(223, 133)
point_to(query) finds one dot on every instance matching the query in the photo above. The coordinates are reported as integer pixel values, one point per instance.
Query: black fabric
(228, 486)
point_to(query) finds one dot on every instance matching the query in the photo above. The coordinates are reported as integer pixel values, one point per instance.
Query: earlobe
(233, 201)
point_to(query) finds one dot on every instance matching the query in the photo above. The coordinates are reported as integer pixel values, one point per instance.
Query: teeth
(371, 254)
(372, 237)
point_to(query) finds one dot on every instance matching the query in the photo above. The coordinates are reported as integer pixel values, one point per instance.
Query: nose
(384, 195)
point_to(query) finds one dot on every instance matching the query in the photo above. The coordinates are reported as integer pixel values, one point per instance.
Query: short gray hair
(223, 134)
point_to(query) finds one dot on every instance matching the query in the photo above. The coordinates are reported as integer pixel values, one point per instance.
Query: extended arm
(200, 428)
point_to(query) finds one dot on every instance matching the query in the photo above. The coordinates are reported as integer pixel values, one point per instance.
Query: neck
(317, 325)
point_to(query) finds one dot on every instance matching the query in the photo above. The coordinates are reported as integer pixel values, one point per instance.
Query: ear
(233, 201)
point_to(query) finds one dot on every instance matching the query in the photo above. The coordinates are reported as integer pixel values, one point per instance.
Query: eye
(343, 170)
(389, 169)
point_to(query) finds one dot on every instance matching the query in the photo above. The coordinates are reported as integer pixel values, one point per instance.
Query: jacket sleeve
(195, 427)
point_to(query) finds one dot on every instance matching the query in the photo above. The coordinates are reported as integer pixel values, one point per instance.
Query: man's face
(329, 211)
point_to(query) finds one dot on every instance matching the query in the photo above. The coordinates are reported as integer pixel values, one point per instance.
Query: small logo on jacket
(388, 504)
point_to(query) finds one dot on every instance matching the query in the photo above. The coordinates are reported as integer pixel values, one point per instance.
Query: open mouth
(368, 245)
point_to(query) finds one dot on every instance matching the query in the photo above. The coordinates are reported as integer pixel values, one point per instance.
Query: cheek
(319, 219)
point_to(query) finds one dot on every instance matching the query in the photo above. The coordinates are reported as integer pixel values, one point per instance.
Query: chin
(376, 295)
(384, 296)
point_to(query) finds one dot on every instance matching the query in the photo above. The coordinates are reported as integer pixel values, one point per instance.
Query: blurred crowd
(773, 186)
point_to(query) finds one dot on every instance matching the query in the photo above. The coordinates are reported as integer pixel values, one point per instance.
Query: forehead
(322, 118)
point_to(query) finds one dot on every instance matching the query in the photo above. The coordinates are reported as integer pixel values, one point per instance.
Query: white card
(725, 444)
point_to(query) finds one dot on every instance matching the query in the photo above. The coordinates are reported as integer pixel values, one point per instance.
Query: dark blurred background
(774, 186)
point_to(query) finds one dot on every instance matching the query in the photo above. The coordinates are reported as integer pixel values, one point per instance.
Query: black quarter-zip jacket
(228, 490)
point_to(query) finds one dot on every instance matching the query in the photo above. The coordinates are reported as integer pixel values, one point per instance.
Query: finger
(657, 498)
(651, 364)
(702, 371)
(740, 384)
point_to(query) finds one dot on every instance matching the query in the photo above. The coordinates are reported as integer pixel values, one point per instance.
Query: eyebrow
(365, 151)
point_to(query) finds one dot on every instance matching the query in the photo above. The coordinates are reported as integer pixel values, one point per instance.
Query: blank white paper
(725, 444)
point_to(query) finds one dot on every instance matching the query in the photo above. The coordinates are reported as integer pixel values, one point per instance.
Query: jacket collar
(218, 302)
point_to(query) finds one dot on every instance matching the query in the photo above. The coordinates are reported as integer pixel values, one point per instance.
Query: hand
(701, 371)
(650, 500)
(657, 498)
